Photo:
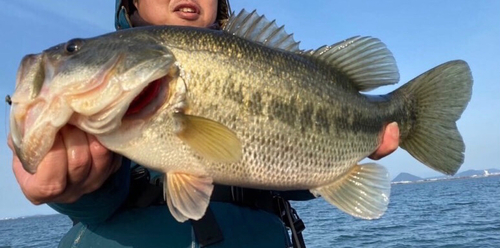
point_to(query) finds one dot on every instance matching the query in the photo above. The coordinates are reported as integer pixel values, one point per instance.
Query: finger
(98, 159)
(78, 154)
(50, 179)
(389, 142)
(20, 174)
(104, 163)
(99, 169)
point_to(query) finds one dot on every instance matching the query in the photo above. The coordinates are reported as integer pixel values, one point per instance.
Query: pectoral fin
(187, 196)
(209, 138)
(363, 192)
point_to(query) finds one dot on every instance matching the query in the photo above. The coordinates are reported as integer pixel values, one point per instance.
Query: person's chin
(196, 23)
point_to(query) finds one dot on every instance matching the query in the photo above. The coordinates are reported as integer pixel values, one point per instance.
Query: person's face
(196, 13)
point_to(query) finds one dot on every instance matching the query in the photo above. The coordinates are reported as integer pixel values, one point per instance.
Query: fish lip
(17, 144)
(31, 66)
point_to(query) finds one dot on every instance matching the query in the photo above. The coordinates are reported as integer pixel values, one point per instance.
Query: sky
(421, 35)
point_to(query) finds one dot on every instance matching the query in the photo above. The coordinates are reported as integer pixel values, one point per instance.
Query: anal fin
(363, 192)
(187, 196)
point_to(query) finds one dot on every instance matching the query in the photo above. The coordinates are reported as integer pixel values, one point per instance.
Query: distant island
(409, 178)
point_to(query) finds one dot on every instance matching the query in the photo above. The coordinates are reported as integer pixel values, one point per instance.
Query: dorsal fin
(365, 60)
(257, 28)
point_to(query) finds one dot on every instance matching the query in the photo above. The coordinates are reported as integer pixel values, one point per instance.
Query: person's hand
(76, 165)
(390, 142)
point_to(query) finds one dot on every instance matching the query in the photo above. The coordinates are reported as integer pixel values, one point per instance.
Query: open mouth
(187, 11)
(187, 8)
(147, 97)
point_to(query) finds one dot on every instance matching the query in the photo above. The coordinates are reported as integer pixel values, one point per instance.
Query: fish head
(89, 83)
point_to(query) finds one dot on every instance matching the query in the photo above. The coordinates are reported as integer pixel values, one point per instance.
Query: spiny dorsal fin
(365, 60)
(257, 28)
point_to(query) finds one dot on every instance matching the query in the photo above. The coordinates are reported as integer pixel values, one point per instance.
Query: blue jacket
(103, 222)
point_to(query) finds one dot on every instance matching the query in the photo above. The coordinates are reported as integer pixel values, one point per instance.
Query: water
(37, 231)
(458, 213)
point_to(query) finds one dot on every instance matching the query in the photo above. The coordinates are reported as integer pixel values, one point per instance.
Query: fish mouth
(145, 97)
(150, 99)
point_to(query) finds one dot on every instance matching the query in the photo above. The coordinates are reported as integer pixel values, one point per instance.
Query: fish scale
(324, 164)
(240, 174)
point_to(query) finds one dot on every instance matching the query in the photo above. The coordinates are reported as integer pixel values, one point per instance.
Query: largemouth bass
(242, 106)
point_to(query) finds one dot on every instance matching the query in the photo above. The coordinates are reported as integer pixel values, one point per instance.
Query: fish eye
(73, 46)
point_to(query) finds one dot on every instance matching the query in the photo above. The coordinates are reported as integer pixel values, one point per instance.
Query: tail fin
(439, 97)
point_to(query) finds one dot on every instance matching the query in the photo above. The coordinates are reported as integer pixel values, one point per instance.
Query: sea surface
(455, 213)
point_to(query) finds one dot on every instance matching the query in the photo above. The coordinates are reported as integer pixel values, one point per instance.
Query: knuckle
(99, 152)
(77, 164)
(101, 156)
(49, 192)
